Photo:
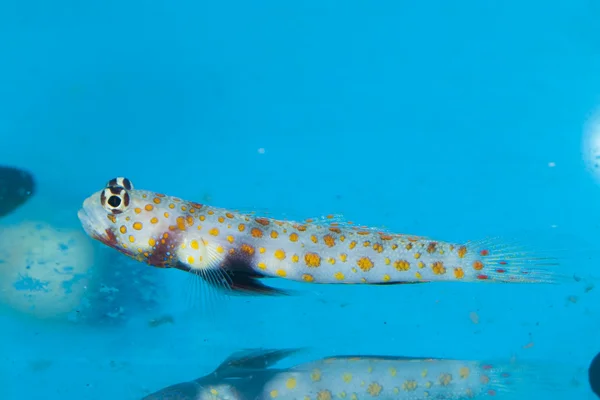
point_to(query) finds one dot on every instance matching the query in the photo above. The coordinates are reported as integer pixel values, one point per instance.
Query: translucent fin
(205, 291)
(525, 379)
(254, 359)
(500, 260)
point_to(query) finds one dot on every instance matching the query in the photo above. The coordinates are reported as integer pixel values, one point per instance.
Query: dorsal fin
(252, 359)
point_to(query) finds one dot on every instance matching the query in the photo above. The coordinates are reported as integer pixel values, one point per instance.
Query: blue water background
(435, 118)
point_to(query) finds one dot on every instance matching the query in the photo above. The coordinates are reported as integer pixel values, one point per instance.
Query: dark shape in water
(594, 375)
(16, 187)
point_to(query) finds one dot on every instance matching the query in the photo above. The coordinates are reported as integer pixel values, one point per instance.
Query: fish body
(16, 187)
(234, 249)
(353, 378)
(398, 378)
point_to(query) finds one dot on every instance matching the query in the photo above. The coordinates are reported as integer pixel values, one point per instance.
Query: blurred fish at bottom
(246, 375)
(16, 187)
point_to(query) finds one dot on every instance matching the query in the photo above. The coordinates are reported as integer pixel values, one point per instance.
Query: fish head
(137, 223)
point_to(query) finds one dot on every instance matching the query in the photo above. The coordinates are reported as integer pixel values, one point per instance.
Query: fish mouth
(94, 222)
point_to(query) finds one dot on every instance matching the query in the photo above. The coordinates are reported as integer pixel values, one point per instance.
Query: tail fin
(526, 380)
(503, 261)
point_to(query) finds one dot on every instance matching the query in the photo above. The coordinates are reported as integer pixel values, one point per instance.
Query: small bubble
(552, 164)
(261, 150)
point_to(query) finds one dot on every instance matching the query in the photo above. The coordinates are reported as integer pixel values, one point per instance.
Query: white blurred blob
(261, 150)
(551, 164)
(44, 271)
(591, 145)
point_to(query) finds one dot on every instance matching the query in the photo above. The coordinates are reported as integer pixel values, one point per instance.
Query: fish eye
(114, 199)
(120, 181)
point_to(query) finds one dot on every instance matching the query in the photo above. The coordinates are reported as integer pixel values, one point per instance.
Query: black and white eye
(120, 181)
(115, 199)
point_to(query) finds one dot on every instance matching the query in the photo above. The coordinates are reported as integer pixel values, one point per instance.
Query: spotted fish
(235, 250)
(247, 375)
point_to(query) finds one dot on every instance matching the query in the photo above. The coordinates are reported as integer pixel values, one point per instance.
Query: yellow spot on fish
(221, 219)
(290, 383)
(445, 379)
(137, 226)
(324, 395)
(137, 210)
(166, 214)
(262, 265)
(229, 215)
(190, 260)
(172, 206)
(246, 248)
(396, 390)
(255, 232)
(462, 251)
(262, 221)
(378, 247)
(214, 232)
(421, 264)
(220, 249)
(230, 239)
(151, 242)
(343, 257)
(331, 260)
(424, 373)
(308, 278)
(315, 375)
(428, 385)
(459, 273)
(374, 389)
(342, 395)
(294, 237)
(352, 245)
(181, 223)
(431, 247)
(329, 240)
(387, 278)
(281, 273)
(280, 254)
(347, 377)
(366, 244)
(353, 396)
(387, 261)
(154, 220)
(131, 238)
(123, 229)
(402, 265)
(312, 260)
(464, 372)
(409, 386)
(273, 394)
(417, 255)
(210, 212)
(393, 371)
(156, 200)
(478, 265)
(241, 227)
(274, 234)
(438, 268)
(313, 238)
(262, 250)
(214, 392)
(295, 258)
(339, 276)
(365, 263)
